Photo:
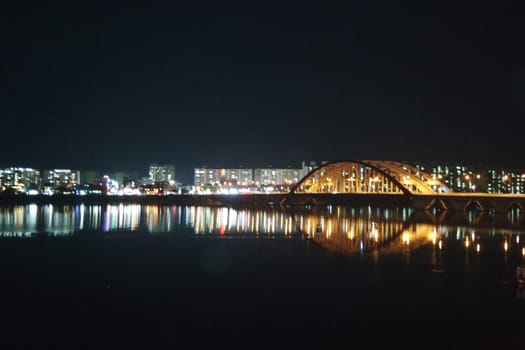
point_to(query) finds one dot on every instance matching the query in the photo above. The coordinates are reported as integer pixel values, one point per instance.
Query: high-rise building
(277, 176)
(205, 176)
(305, 169)
(20, 179)
(236, 176)
(162, 173)
(505, 181)
(60, 177)
(248, 177)
(222, 176)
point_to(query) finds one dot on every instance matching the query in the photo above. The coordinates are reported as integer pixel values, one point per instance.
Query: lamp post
(467, 178)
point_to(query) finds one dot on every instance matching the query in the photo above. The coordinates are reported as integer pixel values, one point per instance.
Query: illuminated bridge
(389, 182)
(343, 182)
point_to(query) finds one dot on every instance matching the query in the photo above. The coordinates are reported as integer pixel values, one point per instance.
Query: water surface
(328, 268)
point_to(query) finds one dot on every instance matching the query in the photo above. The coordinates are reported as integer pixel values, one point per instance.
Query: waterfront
(342, 270)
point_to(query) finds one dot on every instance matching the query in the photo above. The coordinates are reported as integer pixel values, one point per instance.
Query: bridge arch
(368, 176)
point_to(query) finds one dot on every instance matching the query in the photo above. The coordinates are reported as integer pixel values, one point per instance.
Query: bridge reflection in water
(348, 230)
(354, 260)
(384, 231)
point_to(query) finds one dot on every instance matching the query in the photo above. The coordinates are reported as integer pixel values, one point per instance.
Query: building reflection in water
(473, 241)
(66, 220)
(339, 229)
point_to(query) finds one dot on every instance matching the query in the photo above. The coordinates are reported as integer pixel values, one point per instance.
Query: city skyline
(94, 93)
(453, 177)
(110, 86)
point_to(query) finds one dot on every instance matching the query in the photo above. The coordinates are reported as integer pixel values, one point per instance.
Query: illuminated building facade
(464, 178)
(205, 176)
(247, 177)
(19, 179)
(162, 173)
(223, 176)
(459, 178)
(276, 176)
(505, 181)
(60, 177)
(236, 176)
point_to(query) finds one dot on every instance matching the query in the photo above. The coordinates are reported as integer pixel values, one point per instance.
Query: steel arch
(368, 176)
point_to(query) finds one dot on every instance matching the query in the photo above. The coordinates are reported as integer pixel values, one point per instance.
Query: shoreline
(263, 200)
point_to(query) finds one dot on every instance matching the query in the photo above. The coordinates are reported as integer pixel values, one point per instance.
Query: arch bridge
(369, 176)
(392, 183)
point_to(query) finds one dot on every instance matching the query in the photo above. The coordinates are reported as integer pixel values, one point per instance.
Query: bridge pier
(464, 202)
(427, 203)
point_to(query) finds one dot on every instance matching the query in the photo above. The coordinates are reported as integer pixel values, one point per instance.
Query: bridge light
(433, 237)
(375, 233)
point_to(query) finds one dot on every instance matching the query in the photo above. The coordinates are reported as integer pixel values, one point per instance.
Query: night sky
(113, 86)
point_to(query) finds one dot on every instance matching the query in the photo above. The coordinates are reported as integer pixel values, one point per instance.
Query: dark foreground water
(193, 276)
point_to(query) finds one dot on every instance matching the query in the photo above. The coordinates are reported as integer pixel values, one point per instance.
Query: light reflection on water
(340, 229)
(66, 220)
(418, 238)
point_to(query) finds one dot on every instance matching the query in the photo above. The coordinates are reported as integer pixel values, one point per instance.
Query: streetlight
(467, 178)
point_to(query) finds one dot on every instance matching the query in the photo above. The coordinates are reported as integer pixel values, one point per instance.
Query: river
(340, 270)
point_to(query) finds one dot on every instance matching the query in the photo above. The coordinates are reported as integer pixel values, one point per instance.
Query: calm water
(335, 268)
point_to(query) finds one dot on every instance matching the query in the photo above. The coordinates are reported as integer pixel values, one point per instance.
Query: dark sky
(113, 86)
